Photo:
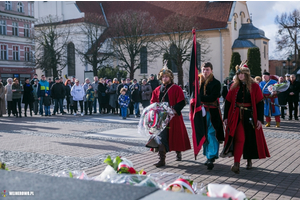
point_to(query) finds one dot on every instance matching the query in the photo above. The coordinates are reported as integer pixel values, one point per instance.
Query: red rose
(131, 170)
(144, 173)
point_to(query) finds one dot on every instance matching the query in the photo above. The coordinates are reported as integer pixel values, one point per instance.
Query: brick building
(16, 43)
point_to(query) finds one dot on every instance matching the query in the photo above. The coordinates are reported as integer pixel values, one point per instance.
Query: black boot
(210, 164)
(20, 115)
(178, 156)
(31, 113)
(249, 164)
(236, 168)
(25, 114)
(162, 156)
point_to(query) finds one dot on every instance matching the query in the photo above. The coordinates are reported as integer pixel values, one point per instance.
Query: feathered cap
(165, 71)
(243, 68)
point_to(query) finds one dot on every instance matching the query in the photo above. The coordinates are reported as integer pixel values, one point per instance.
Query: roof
(211, 15)
(248, 31)
(242, 44)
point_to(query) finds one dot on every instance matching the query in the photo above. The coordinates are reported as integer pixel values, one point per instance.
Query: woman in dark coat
(103, 97)
(28, 98)
(16, 96)
(69, 98)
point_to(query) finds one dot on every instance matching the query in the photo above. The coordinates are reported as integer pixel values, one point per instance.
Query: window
(265, 52)
(3, 52)
(235, 16)
(8, 5)
(242, 17)
(173, 54)
(71, 59)
(48, 73)
(29, 5)
(15, 29)
(198, 55)
(27, 54)
(32, 9)
(2, 27)
(16, 53)
(20, 7)
(143, 60)
(26, 30)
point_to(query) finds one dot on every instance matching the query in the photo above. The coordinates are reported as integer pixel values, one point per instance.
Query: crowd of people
(112, 96)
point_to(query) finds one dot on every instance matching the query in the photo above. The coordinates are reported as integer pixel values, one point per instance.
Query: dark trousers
(90, 106)
(86, 107)
(145, 103)
(76, 106)
(17, 103)
(95, 105)
(117, 107)
(58, 102)
(26, 106)
(293, 105)
(36, 106)
(131, 108)
(282, 108)
(10, 107)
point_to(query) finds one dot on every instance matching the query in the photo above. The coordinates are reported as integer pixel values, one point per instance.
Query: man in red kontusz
(174, 137)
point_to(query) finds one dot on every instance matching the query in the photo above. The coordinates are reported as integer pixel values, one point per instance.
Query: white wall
(63, 9)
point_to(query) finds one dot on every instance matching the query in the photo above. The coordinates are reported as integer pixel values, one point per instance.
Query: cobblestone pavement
(47, 145)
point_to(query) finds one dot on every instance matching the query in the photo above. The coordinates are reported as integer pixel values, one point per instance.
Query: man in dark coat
(153, 82)
(57, 93)
(293, 97)
(210, 89)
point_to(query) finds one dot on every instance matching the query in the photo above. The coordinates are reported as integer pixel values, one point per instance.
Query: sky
(263, 17)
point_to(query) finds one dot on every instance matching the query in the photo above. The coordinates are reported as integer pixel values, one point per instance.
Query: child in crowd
(123, 102)
(47, 103)
(90, 96)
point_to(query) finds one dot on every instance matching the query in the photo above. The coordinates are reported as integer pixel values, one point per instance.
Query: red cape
(256, 96)
(178, 137)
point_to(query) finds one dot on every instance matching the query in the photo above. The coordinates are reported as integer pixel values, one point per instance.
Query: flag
(197, 121)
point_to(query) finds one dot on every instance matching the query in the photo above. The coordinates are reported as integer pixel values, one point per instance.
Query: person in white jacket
(77, 93)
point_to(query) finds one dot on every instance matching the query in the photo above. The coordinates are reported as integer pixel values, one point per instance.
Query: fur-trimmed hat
(166, 71)
(243, 68)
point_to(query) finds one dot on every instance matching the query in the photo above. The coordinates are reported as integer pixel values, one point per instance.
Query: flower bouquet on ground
(222, 190)
(3, 166)
(279, 87)
(154, 120)
(120, 170)
(181, 185)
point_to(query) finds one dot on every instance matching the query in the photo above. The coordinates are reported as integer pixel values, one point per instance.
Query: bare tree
(51, 36)
(93, 50)
(288, 32)
(130, 31)
(178, 44)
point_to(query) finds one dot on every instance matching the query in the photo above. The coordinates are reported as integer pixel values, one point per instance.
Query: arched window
(20, 7)
(242, 17)
(235, 16)
(71, 59)
(8, 5)
(173, 54)
(143, 60)
(198, 55)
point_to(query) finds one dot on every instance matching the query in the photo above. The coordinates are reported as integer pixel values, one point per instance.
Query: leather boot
(277, 124)
(162, 156)
(25, 115)
(236, 168)
(178, 156)
(210, 164)
(249, 164)
(31, 113)
(268, 124)
(20, 115)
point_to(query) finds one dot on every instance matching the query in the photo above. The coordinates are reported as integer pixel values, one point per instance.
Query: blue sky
(263, 17)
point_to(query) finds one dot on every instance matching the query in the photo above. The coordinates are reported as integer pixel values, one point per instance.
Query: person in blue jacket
(43, 88)
(271, 107)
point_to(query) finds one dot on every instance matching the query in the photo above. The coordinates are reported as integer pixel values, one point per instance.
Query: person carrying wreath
(243, 117)
(174, 137)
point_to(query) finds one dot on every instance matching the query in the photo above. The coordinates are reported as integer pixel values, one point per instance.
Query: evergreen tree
(111, 72)
(254, 61)
(231, 74)
(235, 60)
